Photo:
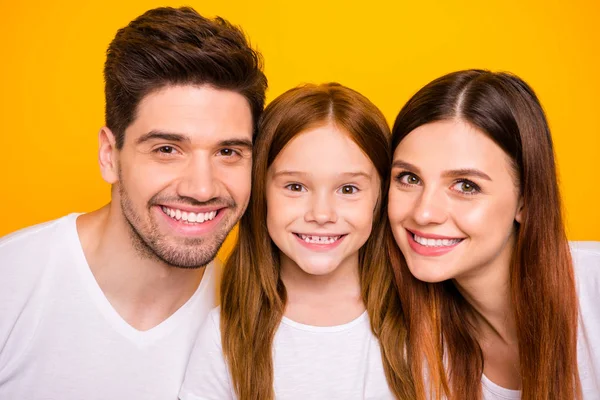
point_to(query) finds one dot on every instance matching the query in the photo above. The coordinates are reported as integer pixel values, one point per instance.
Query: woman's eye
(408, 179)
(465, 186)
(295, 187)
(348, 189)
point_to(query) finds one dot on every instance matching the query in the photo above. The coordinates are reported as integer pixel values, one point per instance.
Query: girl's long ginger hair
(253, 296)
(542, 284)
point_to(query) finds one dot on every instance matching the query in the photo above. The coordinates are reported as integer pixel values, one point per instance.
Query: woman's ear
(520, 210)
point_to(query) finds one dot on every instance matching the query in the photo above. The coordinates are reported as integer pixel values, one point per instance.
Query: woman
(475, 210)
(308, 304)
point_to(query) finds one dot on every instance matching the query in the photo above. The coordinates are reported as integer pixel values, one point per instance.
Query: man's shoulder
(26, 251)
(29, 240)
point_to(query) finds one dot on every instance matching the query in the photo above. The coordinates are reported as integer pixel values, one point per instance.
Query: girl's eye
(466, 187)
(348, 189)
(295, 187)
(407, 178)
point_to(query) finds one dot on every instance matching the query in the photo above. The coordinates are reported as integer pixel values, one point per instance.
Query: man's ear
(520, 210)
(108, 155)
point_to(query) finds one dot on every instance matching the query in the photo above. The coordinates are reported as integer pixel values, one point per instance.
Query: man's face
(183, 173)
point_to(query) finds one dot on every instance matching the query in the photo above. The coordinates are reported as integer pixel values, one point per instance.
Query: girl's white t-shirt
(586, 261)
(309, 362)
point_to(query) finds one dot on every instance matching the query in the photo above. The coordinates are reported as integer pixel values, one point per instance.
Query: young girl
(308, 304)
(475, 210)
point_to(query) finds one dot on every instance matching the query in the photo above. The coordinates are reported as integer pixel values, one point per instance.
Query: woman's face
(453, 202)
(321, 194)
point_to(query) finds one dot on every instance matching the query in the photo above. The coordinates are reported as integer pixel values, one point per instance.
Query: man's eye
(227, 152)
(166, 150)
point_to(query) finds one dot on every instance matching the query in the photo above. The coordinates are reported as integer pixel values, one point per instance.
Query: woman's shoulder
(586, 264)
(586, 259)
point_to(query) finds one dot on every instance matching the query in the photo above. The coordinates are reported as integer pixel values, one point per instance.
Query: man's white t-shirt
(586, 262)
(310, 362)
(60, 338)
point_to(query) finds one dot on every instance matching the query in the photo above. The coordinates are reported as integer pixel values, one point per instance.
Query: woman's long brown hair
(253, 296)
(542, 284)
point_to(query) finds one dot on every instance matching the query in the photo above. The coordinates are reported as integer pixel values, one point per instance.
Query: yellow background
(52, 54)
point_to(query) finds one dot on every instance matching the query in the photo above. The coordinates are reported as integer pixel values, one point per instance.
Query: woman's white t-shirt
(586, 261)
(309, 362)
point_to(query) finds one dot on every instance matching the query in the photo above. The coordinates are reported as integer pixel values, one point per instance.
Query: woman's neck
(489, 295)
(323, 300)
(488, 292)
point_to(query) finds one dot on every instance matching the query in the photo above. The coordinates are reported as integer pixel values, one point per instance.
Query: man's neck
(143, 290)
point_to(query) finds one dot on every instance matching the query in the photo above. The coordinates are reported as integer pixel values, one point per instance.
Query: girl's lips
(319, 246)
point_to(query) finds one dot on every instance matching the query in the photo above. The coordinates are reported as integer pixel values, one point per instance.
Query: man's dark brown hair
(178, 46)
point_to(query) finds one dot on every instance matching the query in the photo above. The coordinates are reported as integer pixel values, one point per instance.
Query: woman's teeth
(435, 242)
(189, 217)
(318, 239)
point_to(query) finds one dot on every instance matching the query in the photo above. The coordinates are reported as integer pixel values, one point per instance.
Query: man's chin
(187, 261)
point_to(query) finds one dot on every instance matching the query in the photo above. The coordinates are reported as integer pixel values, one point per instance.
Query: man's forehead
(194, 113)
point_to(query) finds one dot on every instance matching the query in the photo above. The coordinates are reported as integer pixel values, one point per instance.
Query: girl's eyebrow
(353, 174)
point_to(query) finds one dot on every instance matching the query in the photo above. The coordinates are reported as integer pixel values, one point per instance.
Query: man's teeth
(319, 239)
(435, 242)
(189, 217)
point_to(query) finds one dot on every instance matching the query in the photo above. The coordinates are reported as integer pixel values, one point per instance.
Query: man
(106, 305)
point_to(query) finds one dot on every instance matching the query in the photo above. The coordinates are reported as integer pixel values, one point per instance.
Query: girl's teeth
(319, 239)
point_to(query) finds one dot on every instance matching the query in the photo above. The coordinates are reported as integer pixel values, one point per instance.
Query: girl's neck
(322, 300)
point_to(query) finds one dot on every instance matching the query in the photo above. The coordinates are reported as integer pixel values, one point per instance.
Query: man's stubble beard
(147, 241)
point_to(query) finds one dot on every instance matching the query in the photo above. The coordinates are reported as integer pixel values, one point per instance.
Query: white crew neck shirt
(61, 339)
(309, 362)
(586, 263)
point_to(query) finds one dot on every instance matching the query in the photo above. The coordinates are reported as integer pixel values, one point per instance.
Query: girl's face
(453, 202)
(322, 191)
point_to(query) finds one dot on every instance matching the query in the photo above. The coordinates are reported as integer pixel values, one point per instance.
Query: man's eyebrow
(161, 135)
(247, 143)
(180, 138)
